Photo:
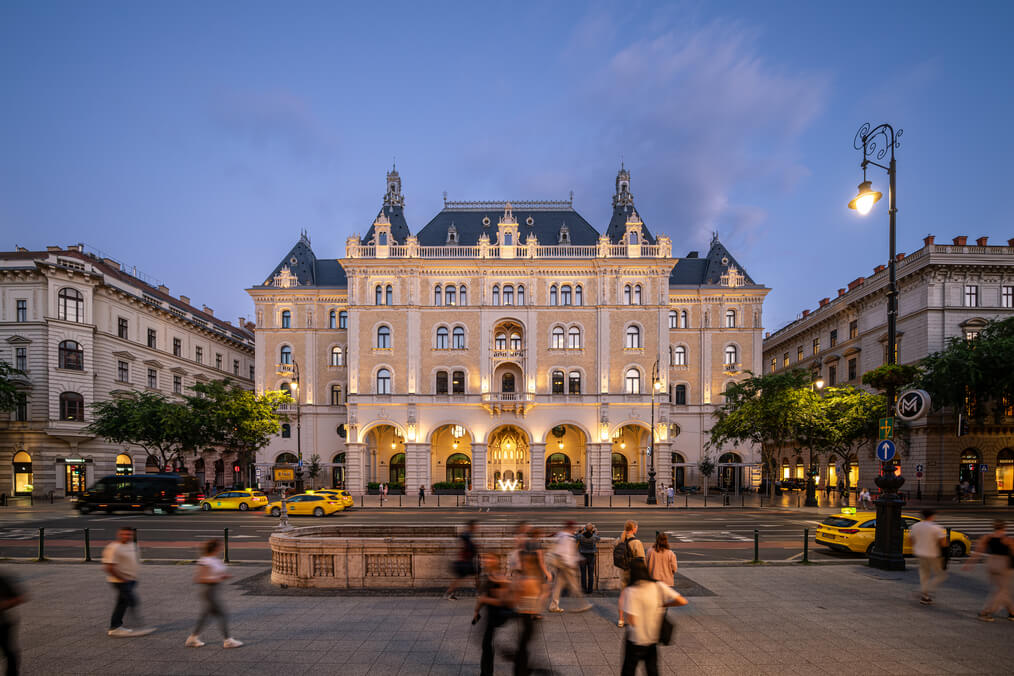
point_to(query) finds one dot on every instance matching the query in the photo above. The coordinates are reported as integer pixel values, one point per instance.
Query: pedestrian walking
(564, 559)
(998, 548)
(644, 601)
(670, 495)
(422, 495)
(588, 547)
(625, 551)
(211, 572)
(121, 565)
(865, 501)
(496, 602)
(928, 541)
(662, 561)
(529, 590)
(10, 596)
(464, 565)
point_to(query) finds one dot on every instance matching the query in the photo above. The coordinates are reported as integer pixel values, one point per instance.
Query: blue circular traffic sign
(885, 450)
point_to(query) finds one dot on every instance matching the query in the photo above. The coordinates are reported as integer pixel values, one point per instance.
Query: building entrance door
(76, 478)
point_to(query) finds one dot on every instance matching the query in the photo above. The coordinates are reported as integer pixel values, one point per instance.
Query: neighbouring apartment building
(82, 328)
(505, 347)
(945, 291)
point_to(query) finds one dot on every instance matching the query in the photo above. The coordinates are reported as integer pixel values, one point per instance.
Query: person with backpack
(211, 572)
(644, 601)
(464, 565)
(588, 547)
(626, 551)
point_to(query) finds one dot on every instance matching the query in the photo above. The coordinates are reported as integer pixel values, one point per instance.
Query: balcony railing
(508, 397)
(354, 248)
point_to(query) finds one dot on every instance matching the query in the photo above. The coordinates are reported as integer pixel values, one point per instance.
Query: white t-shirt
(643, 602)
(124, 558)
(566, 549)
(213, 569)
(926, 537)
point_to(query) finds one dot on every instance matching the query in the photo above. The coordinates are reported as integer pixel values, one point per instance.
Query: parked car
(242, 500)
(794, 484)
(306, 504)
(855, 533)
(141, 492)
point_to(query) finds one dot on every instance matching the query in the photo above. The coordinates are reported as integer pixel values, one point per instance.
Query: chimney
(76, 247)
(767, 334)
(163, 288)
(900, 257)
(185, 299)
(53, 248)
(805, 313)
(1010, 242)
(242, 321)
(960, 240)
(928, 240)
(982, 241)
(879, 268)
(824, 301)
(22, 249)
(856, 282)
(208, 310)
(841, 292)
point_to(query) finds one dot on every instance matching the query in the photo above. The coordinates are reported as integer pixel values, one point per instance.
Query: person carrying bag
(644, 602)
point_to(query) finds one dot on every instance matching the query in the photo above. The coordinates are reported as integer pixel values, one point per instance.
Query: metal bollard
(806, 545)
(88, 544)
(610, 501)
(438, 499)
(756, 546)
(399, 500)
(362, 501)
(226, 539)
(42, 545)
(628, 497)
(686, 501)
(705, 499)
(742, 500)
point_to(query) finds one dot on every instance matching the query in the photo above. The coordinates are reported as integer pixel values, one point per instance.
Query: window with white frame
(633, 381)
(343, 320)
(731, 355)
(971, 295)
(1007, 297)
(123, 372)
(637, 294)
(332, 320)
(337, 356)
(286, 319)
(384, 337)
(451, 294)
(730, 319)
(508, 294)
(496, 294)
(388, 295)
(552, 295)
(462, 295)
(383, 381)
(378, 295)
(627, 295)
(153, 379)
(673, 319)
(684, 320)
(578, 295)
(70, 305)
(500, 341)
(574, 338)
(442, 338)
(558, 338)
(285, 355)
(521, 294)
(565, 294)
(574, 382)
(633, 337)
(438, 292)
(679, 356)
(458, 338)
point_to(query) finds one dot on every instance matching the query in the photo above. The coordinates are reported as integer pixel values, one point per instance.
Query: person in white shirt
(928, 538)
(564, 559)
(644, 601)
(211, 571)
(121, 565)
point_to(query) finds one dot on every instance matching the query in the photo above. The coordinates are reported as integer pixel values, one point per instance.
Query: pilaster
(355, 466)
(537, 467)
(479, 467)
(417, 468)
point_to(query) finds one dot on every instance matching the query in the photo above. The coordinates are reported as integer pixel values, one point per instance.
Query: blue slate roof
(618, 224)
(546, 224)
(302, 263)
(399, 226)
(692, 270)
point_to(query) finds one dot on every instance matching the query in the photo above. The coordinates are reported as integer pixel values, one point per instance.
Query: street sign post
(886, 428)
(983, 467)
(885, 450)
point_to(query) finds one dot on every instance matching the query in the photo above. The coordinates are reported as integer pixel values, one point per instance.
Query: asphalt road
(697, 535)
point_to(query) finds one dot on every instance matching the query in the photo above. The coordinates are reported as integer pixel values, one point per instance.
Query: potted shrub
(575, 487)
(448, 488)
(630, 487)
(373, 488)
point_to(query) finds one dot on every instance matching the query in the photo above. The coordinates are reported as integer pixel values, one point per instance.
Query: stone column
(479, 473)
(600, 459)
(355, 468)
(417, 468)
(537, 468)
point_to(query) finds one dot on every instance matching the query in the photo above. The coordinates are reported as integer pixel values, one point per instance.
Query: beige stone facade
(82, 328)
(505, 347)
(945, 291)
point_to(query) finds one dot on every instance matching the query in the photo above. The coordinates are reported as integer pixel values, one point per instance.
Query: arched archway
(1005, 471)
(969, 474)
(631, 441)
(385, 455)
(679, 470)
(338, 471)
(730, 472)
(23, 477)
(124, 465)
(451, 456)
(569, 443)
(509, 459)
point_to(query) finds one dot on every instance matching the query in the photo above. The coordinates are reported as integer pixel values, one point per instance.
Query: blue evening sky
(194, 140)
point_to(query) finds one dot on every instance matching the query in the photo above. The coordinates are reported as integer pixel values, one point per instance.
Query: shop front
(75, 474)
(23, 479)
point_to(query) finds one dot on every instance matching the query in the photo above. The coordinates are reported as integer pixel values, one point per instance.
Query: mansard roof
(399, 226)
(618, 224)
(543, 219)
(303, 266)
(692, 270)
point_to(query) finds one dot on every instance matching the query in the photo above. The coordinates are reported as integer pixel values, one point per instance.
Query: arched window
(557, 382)
(731, 355)
(679, 356)
(552, 295)
(389, 295)
(637, 294)
(626, 295)
(379, 297)
(500, 341)
(619, 462)
(336, 395)
(286, 459)
(459, 469)
(507, 382)
(384, 337)
(557, 468)
(515, 341)
(71, 406)
(458, 338)
(70, 305)
(71, 355)
(633, 337)
(632, 237)
(680, 395)
(565, 294)
(558, 338)
(286, 431)
(343, 320)
(332, 320)
(383, 381)
(521, 294)
(397, 471)
(286, 319)
(633, 380)
(458, 382)
(441, 387)
(508, 295)
(574, 338)
(286, 389)
(578, 295)
(673, 319)
(462, 295)
(336, 356)
(437, 298)
(574, 382)
(508, 239)
(451, 295)
(684, 322)
(730, 319)
(496, 294)
(285, 355)
(442, 338)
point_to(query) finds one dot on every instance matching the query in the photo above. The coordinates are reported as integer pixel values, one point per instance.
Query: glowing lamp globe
(866, 198)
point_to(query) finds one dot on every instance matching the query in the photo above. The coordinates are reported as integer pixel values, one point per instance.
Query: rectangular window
(22, 311)
(799, 353)
(153, 379)
(235, 367)
(680, 398)
(574, 383)
(251, 372)
(853, 329)
(1006, 297)
(218, 361)
(785, 359)
(834, 338)
(441, 382)
(21, 409)
(21, 358)
(557, 382)
(816, 345)
(832, 375)
(971, 295)
(199, 355)
(123, 371)
(177, 347)
(774, 364)
(178, 384)
(152, 340)
(336, 395)
(121, 328)
(458, 382)
(853, 368)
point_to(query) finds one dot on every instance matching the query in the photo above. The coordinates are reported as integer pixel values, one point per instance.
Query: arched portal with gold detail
(385, 456)
(451, 456)
(508, 460)
(566, 457)
(630, 453)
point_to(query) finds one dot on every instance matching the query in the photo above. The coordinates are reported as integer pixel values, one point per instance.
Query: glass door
(75, 479)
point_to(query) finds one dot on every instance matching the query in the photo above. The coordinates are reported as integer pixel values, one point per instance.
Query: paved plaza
(742, 619)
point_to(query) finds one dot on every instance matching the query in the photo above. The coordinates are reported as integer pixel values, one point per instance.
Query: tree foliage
(10, 395)
(885, 375)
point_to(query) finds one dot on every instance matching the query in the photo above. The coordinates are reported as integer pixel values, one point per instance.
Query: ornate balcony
(499, 402)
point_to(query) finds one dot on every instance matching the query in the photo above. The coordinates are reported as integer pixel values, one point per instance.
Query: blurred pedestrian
(670, 495)
(422, 495)
(644, 602)
(496, 601)
(529, 591)
(865, 499)
(625, 551)
(121, 565)
(465, 564)
(564, 559)
(10, 596)
(928, 541)
(211, 572)
(662, 560)
(998, 548)
(588, 547)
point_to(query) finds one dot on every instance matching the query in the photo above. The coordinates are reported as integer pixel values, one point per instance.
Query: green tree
(313, 469)
(706, 466)
(10, 395)
(164, 428)
(852, 416)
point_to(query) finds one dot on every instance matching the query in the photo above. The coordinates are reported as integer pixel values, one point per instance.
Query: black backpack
(621, 555)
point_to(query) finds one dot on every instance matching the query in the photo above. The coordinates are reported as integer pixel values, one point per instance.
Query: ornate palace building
(505, 346)
(83, 328)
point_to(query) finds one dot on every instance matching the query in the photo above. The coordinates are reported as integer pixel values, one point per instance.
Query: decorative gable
(285, 279)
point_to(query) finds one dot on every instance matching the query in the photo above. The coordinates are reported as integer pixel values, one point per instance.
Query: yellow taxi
(345, 497)
(853, 531)
(242, 500)
(307, 504)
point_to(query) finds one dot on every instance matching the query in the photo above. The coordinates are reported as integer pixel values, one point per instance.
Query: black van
(144, 492)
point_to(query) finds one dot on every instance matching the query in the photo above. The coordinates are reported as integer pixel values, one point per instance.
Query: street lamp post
(877, 142)
(656, 384)
(811, 483)
(293, 370)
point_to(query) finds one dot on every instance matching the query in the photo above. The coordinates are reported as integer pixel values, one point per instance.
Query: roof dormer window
(564, 236)
(452, 234)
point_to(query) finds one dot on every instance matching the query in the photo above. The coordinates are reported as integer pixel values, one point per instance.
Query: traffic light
(235, 468)
(962, 425)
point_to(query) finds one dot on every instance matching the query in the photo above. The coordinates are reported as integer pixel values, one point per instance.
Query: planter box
(630, 491)
(390, 492)
(448, 491)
